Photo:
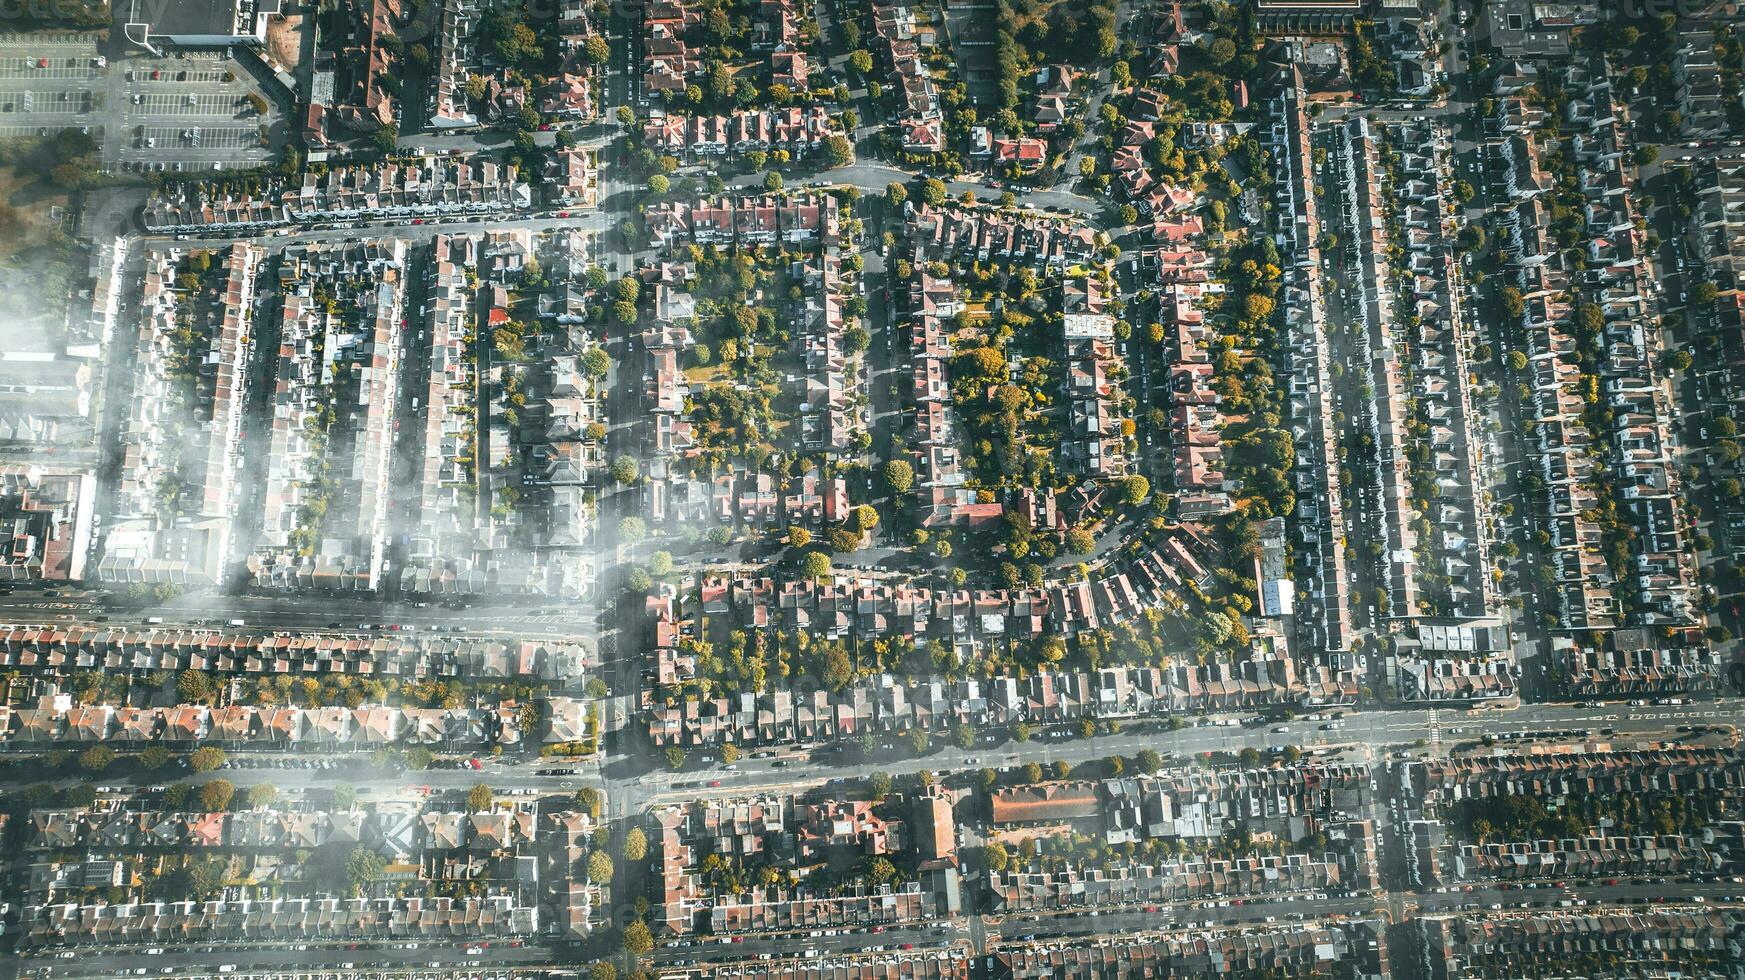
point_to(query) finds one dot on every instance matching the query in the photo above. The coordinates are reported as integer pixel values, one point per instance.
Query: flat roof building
(157, 24)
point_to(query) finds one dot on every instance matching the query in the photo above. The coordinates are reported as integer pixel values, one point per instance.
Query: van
(154, 620)
(237, 622)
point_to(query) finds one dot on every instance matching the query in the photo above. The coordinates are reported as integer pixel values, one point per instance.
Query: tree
(879, 785)
(799, 537)
(1516, 360)
(838, 151)
(1148, 760)
(1703, 293)
(386, 138)
(995, 856)
(1128, 214)
(479, 798)
(964, 735)
(880, 871)
(258, 104)
(659, 184)
(637, 941)
(1250, 756)
(933, 192)
(193, 687)
(631, 530)
(96, 758)
(1221, 52)
(602, 969)
(599, 868)
(660, 564)
(206, 758)
(729, 753)
(772, 182)
(262, 794)
(588, 798)
(624, 469)
(1080, 541)
(363, 867)
(596, 363)
(1135, 490)
(155, 757)
(638, 580)
(216, 795)
(624, 313)
(896, 194)
(899, 476)
(596, 50)
(815, 565)
(635, 844)
(861, 61)
(675, 757)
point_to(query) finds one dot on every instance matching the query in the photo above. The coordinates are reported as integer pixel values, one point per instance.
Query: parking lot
(188, 111)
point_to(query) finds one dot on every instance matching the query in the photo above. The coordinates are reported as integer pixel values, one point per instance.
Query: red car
(417, 221)
(563, 214)
(42, 62)
(714, 783)
(545, 127)
(907, 946)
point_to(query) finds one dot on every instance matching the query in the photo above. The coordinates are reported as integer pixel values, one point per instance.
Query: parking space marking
(183, 103)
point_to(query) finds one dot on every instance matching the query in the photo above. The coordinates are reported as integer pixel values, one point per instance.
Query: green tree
(879, 785)
(815, 564)
(363, 867)
(262, 794)
(155, 757)
(675, 757)
(637, 941)
(96, 758)
(898, 475)
(933, 192)
(838, 151)
(624, 469)
(193, 687)
(599, 868)
(995, 856)
(479, 798)
(635, 844)
(1221, 52)
(206, 758)
(216, 795)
